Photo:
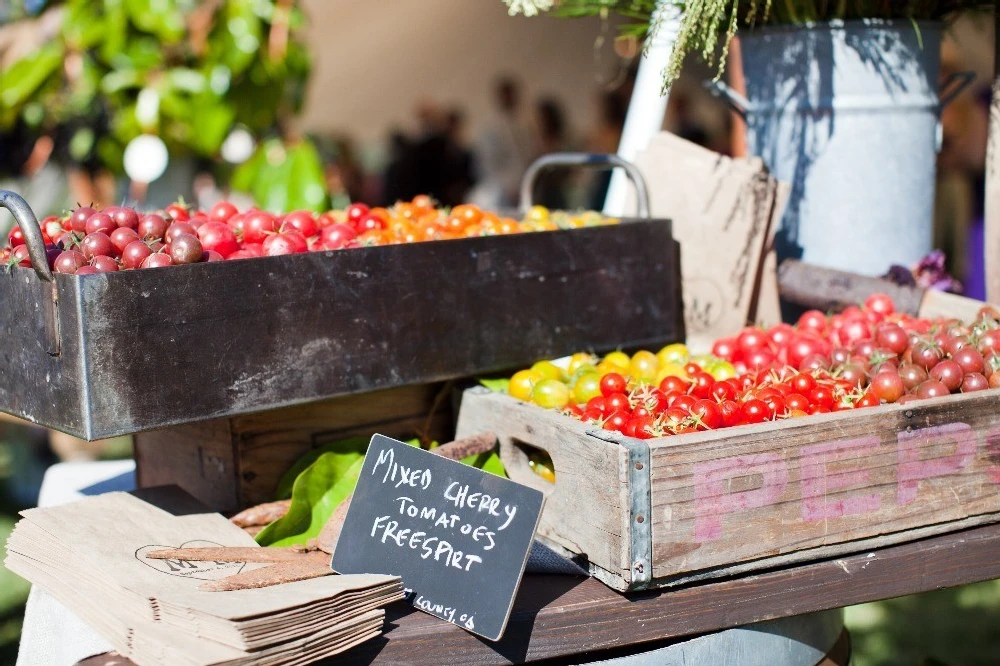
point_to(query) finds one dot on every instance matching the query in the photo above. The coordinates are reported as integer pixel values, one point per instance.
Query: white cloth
(51, 635)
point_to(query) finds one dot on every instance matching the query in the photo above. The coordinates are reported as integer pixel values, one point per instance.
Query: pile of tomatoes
(862, 357)
(120, 238)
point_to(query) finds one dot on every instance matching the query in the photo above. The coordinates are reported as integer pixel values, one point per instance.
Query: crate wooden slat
(111, 354)
(672, 510)
(236, 462)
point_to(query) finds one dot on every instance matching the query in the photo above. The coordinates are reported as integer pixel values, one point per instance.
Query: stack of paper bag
(724, 213)
(90, 556)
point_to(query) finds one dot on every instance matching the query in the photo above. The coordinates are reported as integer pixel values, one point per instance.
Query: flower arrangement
(708, 26)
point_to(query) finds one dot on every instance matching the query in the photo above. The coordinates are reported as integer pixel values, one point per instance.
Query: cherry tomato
(755, 411)
(880, 303)
(869, 399)
(723, 391)
(616, 421)
(597, 404)
(684, 403)
(822, 396)
(674, 384)
(15, 237)
(732, 415)
(797, 401)
(812, 320)
(617, 402)
(355, 212)
(258, 226)
(707, 414)
(612, 383)
(218, 237)
(702, 383)
(949, 373)
(303, 222)
(724, 348)
(222, 211)
(888, 386)
(177, 212)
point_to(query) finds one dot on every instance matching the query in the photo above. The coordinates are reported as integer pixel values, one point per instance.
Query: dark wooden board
(149, 349)
(557, 616)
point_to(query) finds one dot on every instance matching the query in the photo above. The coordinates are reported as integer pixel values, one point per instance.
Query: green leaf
(488, 462)
(356, 444)
(323, 478)
(496, 385)
(211, 124)
(187, 80)
(307, 185)
(162, 18)
(26, 75)
(315, 496)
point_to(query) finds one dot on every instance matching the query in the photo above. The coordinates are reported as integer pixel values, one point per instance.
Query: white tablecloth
(51, 635)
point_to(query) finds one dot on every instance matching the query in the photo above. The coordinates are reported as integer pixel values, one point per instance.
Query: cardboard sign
(724, 212)
(457, 536)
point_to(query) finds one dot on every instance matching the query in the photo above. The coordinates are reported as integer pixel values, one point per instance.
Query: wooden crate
(117, 353)
(232, 463)
(661, 512)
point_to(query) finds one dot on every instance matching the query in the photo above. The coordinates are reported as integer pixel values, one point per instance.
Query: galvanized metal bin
(117, 353)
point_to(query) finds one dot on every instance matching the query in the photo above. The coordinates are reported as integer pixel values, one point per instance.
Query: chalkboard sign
(457, 536)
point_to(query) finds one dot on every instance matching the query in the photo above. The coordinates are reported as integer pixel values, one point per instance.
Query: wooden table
(559, 616)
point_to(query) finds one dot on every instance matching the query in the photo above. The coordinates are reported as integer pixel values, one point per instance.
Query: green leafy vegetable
(496, 385)
(322, 479)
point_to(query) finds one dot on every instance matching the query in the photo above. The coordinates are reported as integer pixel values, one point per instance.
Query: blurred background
(312, 104)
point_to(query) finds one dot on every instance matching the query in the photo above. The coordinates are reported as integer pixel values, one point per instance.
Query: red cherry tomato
(613, 383)
(615, 402)
(755, 411)
(880, 303)
(674, 384)
(708, 415)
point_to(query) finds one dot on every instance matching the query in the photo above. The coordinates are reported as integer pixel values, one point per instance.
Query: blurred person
(503, 151)
(398, 179)
(458, 160)
(552, 186)
(430, 151)
(604, 140)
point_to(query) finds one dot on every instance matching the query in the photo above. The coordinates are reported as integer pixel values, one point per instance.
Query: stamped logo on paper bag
(186, 569)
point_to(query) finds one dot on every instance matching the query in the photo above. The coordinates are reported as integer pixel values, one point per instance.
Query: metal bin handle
(26, 219)
(590, 160)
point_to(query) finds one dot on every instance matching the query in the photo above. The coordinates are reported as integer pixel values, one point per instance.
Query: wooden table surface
(558, 616)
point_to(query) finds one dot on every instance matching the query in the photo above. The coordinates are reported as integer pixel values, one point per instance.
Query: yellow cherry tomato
(671, 370)
(550, 394)
(587, 386)
(522, 382)
(721, 370)
(644, 366)
(604, 367)
(580, 359)
(675, 353)
(704, 361)
(548, 370)
(538, 214)
(620, 360)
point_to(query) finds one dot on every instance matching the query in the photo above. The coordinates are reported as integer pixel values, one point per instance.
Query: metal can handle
(591, 160)
(26, 219)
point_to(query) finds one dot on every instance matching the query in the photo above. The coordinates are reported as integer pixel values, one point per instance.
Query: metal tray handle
(26, 219)
(589, 160)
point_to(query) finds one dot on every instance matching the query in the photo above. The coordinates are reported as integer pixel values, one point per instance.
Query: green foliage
(186, 70)
(322, 479)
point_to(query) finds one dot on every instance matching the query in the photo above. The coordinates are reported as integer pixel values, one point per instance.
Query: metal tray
(117, 353)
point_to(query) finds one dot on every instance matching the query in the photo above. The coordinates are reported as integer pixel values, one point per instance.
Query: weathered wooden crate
(110, 354)
(235, 462)
(661, 512)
